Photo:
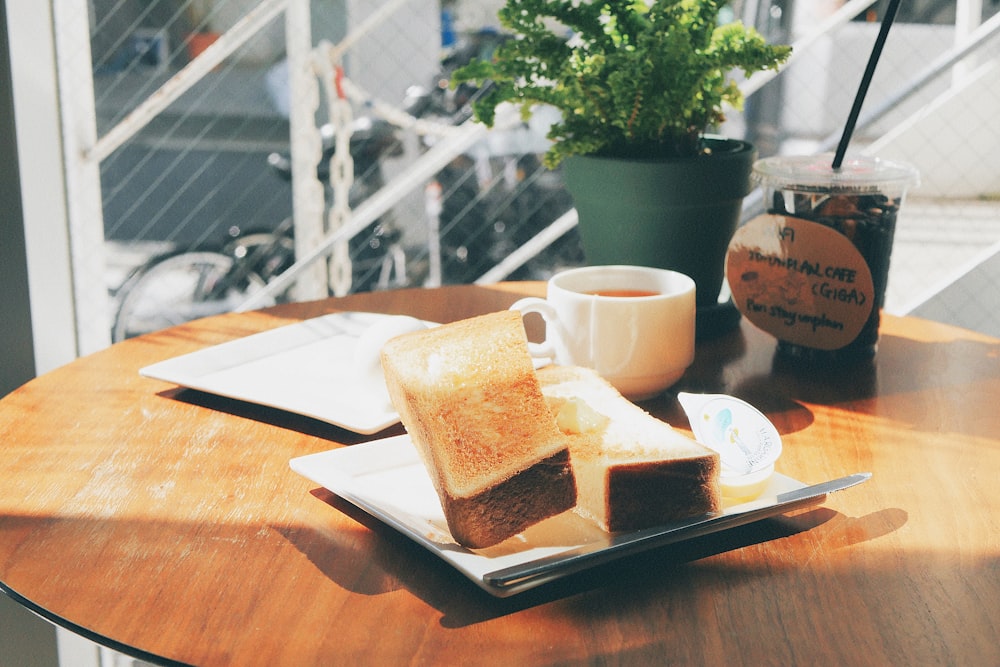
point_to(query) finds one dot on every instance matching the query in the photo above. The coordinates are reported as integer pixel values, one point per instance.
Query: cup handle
(546, 350)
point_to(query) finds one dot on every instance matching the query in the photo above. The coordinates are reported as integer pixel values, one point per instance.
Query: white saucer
(306, 368)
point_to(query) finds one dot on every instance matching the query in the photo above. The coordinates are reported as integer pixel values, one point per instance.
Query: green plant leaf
(629, 78)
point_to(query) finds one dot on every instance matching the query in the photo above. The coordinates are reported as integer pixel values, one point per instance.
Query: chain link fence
(207, 171)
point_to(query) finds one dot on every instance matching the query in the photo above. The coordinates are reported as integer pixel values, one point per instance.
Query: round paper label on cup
(800, 281)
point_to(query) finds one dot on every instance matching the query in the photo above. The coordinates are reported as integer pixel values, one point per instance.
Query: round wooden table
(166, 523)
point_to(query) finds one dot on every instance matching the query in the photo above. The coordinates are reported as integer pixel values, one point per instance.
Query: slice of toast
(468, 396)
(632, 470)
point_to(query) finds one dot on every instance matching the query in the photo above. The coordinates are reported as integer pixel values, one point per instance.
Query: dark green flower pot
(673, 213)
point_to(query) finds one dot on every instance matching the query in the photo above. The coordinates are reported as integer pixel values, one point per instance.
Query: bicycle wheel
(176, 289)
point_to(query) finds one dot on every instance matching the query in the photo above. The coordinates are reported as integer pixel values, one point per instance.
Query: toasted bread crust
(506, 509)
(642, 495)
(635, 471)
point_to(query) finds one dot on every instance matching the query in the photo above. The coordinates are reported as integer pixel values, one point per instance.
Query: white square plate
(387, 479)
(307, 368)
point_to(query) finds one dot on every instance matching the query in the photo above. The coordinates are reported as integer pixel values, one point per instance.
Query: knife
(526, 575)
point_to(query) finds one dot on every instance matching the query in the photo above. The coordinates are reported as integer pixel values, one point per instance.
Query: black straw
(883, 33)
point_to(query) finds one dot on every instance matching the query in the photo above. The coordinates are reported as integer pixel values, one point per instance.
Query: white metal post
(83, 178)
(968, 17)
(41, 165)
(306, 147)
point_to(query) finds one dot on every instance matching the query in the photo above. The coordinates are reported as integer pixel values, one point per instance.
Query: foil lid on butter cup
(746, 440)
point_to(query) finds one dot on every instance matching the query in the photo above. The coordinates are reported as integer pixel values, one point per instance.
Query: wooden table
(166, 523)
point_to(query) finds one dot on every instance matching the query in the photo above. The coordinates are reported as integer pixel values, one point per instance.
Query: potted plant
(639, 84)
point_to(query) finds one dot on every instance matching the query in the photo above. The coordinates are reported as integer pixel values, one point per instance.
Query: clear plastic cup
(859, 201)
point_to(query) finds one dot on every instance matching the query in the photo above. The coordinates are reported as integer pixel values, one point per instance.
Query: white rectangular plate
(387, 479)
(307, 368)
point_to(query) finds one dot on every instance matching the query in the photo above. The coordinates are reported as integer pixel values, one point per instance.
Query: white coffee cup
(634, 325)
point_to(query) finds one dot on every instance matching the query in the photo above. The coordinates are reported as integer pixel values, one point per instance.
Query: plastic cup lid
(815, 173)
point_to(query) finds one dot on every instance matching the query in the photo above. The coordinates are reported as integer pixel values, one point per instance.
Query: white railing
(84, 150)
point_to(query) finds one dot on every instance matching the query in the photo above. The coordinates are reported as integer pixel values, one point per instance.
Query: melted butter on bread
(633, 471)
(574, 416)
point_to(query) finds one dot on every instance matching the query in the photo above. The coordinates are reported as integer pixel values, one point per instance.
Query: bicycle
(495, 197)
(183, 285)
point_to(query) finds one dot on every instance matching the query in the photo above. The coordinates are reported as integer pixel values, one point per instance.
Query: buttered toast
(468, 396)
(632, 470)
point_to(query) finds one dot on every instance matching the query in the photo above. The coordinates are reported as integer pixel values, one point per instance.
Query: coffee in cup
(634, 325)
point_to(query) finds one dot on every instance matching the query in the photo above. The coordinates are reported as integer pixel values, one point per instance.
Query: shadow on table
(904, 365)
(397, 562)
(783, 388)
(275, 417)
